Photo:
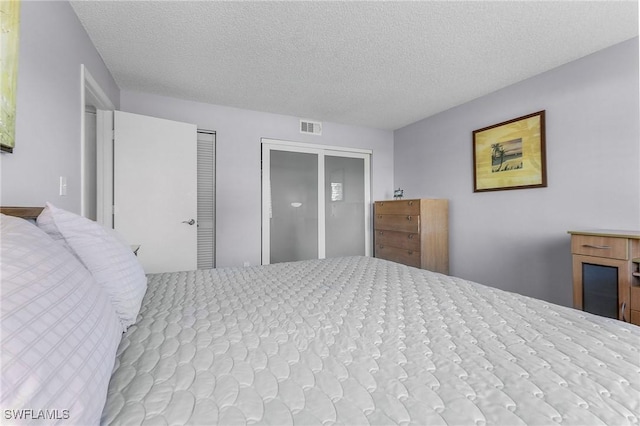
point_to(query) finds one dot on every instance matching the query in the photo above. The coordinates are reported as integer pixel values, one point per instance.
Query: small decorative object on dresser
(413, 232)
(606, 279)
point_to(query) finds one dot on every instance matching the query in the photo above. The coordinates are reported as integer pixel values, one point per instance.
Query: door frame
(92, 94)
(321, 150)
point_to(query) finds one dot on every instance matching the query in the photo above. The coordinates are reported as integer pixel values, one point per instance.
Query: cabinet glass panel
(600, 290)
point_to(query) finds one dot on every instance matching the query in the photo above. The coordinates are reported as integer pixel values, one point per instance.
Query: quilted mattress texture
(358, 341)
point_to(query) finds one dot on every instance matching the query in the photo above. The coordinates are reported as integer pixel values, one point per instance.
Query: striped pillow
(59, 332)
(110, 261)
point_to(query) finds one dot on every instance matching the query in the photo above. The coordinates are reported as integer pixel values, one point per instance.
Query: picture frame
(510, 155)
(9, 33)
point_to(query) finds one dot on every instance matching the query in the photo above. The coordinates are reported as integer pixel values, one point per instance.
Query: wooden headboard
(23, 212)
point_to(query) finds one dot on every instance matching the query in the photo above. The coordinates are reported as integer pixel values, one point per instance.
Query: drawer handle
(410, 236)
(622, 309)
(382, 204)
(380, 233)
(410, 203)
(379, 216)
(410, 252)
(596, 247)
(381, 247)
(408, 217)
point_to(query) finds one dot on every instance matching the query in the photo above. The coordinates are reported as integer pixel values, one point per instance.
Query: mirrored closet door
(315, 201)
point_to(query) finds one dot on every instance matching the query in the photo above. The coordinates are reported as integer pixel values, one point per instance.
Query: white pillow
(110, 261)
(60, 331)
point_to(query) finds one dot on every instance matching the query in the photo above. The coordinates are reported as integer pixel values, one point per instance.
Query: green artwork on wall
(9, 32)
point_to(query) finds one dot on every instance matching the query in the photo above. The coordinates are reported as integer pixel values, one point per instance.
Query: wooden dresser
(606, 261)
(413, 232)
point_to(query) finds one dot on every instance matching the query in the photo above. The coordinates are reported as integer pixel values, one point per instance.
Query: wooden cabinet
(634, 296)
(606, 279)
(413, 232)
(634, 316)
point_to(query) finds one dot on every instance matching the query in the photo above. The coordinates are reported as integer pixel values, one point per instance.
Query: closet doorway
(206, 199)
(96, 182)
(315, 201)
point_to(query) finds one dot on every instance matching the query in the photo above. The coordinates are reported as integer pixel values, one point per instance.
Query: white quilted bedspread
(360, 340)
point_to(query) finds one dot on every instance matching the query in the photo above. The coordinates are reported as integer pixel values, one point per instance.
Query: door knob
(189, 222)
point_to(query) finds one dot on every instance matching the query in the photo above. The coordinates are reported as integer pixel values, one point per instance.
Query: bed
(359, 340)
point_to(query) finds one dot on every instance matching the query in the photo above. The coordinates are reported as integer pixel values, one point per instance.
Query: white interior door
(155, 190)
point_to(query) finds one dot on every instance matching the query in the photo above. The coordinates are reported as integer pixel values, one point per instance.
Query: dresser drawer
(405, 240)
(635, 317)
(411, 207)
(600, 246)
(396, 222)
(407, 257)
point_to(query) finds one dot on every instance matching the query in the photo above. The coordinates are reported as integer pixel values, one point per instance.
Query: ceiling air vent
(310, 127)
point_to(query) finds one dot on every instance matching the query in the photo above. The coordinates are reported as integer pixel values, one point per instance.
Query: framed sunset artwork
(510, 155)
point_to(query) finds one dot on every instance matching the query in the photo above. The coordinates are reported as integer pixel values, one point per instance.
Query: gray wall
(517, 240)
(53, 45)
(238, 181)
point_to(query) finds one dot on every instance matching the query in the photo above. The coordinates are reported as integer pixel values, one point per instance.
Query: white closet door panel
(206, 200)
(294, 206)
(344, 206)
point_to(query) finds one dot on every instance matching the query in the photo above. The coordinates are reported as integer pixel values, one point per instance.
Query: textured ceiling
(376, 64)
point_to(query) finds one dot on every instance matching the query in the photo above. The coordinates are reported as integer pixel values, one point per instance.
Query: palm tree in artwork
(497, 151)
